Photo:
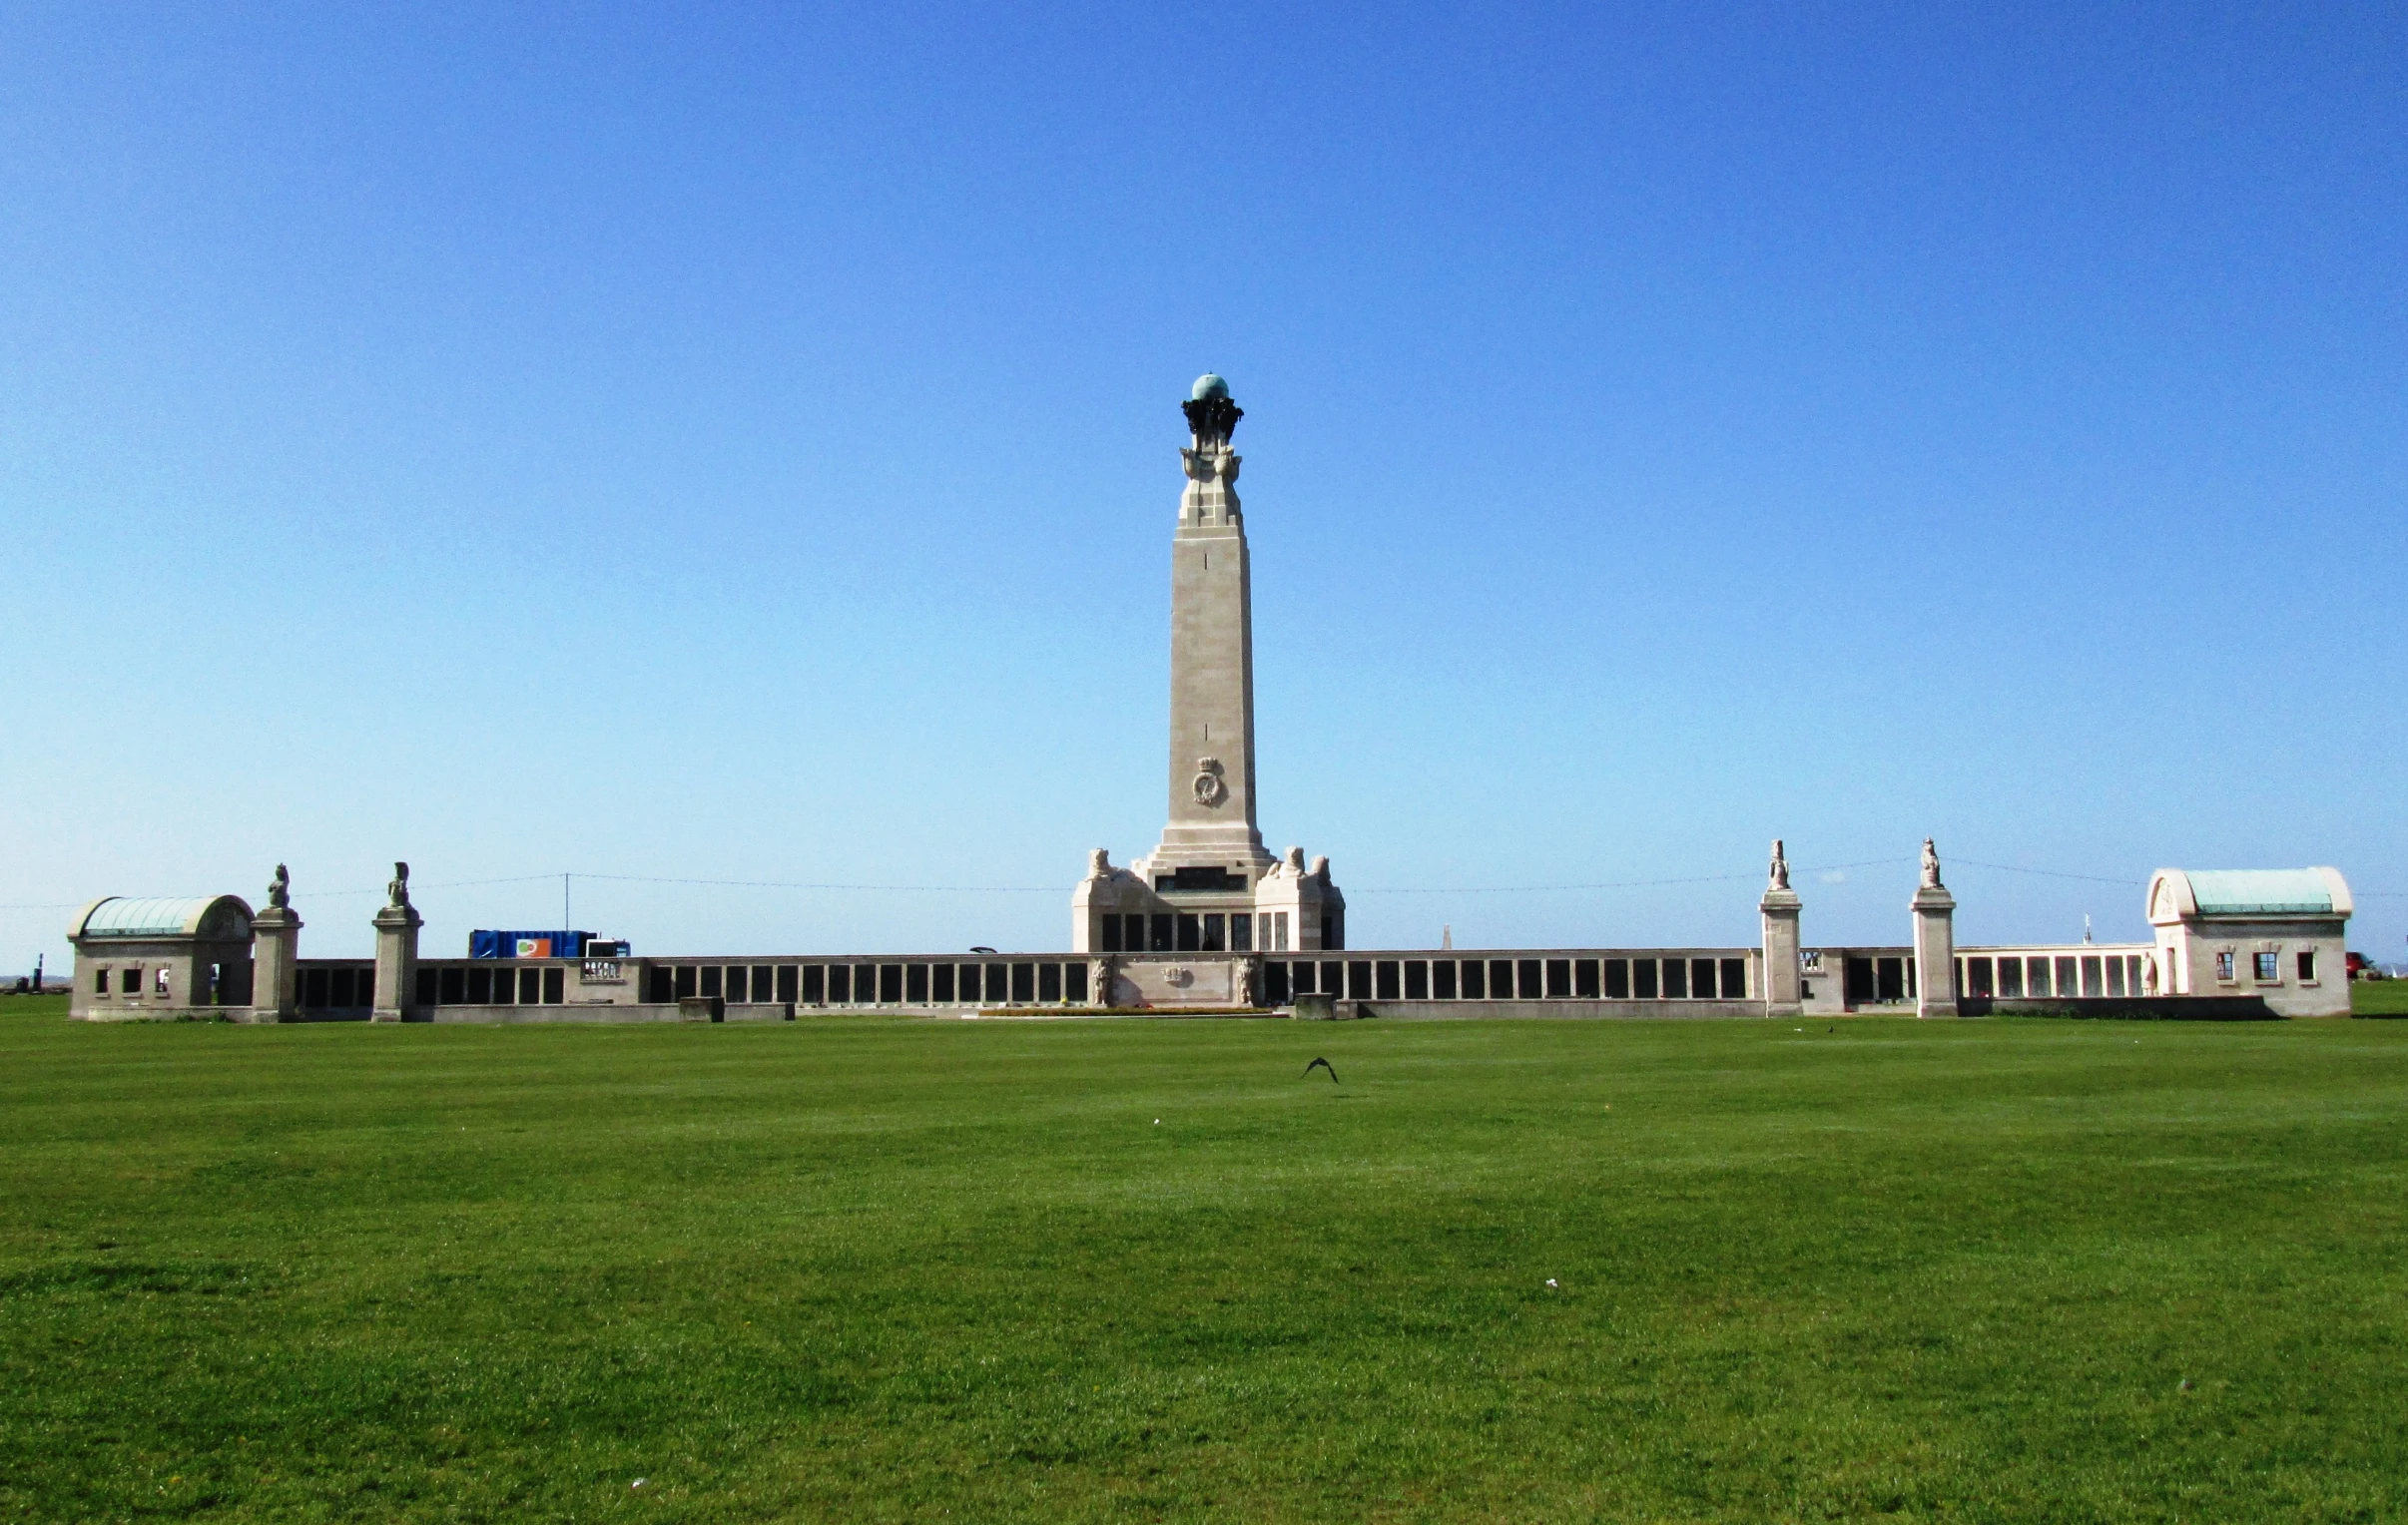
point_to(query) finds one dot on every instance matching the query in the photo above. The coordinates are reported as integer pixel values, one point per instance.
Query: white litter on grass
(639, 1482)
(1550, 1280)
(1157, 1122)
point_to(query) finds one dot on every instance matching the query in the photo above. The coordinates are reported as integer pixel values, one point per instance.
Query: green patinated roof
(154, 916)
(2260, 891)
(1208, 385)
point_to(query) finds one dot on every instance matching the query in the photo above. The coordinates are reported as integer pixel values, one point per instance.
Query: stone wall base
(130, 1013)
(1623, 1011)
(704, 1010)
(2158, 1008)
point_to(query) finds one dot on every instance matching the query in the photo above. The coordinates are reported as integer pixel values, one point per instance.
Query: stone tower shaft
(1184, 926)
(1212, 816)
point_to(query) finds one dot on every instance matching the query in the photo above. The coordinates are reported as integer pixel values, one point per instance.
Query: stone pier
(1780, 909)
(1934, 942)
(397, 926)
(276, 954)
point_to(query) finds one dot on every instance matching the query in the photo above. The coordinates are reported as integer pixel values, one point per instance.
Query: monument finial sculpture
(1779, 871)
(1212, 416)
(398, 887)
(1931, 865)
(279, 889)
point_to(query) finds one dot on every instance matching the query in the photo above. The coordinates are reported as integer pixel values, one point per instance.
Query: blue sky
(742, 445)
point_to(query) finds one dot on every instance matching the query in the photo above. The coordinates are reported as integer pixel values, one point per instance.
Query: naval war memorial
(1210, 922)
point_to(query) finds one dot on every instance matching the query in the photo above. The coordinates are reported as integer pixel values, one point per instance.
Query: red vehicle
(2361, 969)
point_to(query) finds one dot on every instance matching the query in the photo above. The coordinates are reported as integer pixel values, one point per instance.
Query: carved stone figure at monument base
(280, 888)
(1780, 866)
(1931, 865)
(1100, 864)
(398, 887)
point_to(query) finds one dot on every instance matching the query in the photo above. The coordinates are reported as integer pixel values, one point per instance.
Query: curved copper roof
(159, 916)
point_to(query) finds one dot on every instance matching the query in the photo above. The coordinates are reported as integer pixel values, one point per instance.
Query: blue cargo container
(483, 944)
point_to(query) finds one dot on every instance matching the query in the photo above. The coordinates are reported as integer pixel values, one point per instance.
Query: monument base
(1935, 952)
(1182, 981)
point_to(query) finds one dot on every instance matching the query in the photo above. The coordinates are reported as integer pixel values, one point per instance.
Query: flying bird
(1321, 1064)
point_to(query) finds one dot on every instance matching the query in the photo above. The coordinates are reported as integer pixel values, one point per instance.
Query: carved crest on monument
(1210, 790)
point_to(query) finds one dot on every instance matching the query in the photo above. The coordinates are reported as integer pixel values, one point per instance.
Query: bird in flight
(1321, 1064)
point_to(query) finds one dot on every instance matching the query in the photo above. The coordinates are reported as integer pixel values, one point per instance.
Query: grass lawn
(2010, 1269)
(2379, 998)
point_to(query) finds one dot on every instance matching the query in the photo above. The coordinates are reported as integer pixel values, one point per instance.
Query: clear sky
(681, 444)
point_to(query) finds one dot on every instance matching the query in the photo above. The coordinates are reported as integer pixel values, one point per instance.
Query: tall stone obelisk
(1185, 926)
(1212, 818)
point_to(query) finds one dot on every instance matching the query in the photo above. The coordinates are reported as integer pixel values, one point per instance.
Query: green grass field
(880, 1271)
(2379, 998)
